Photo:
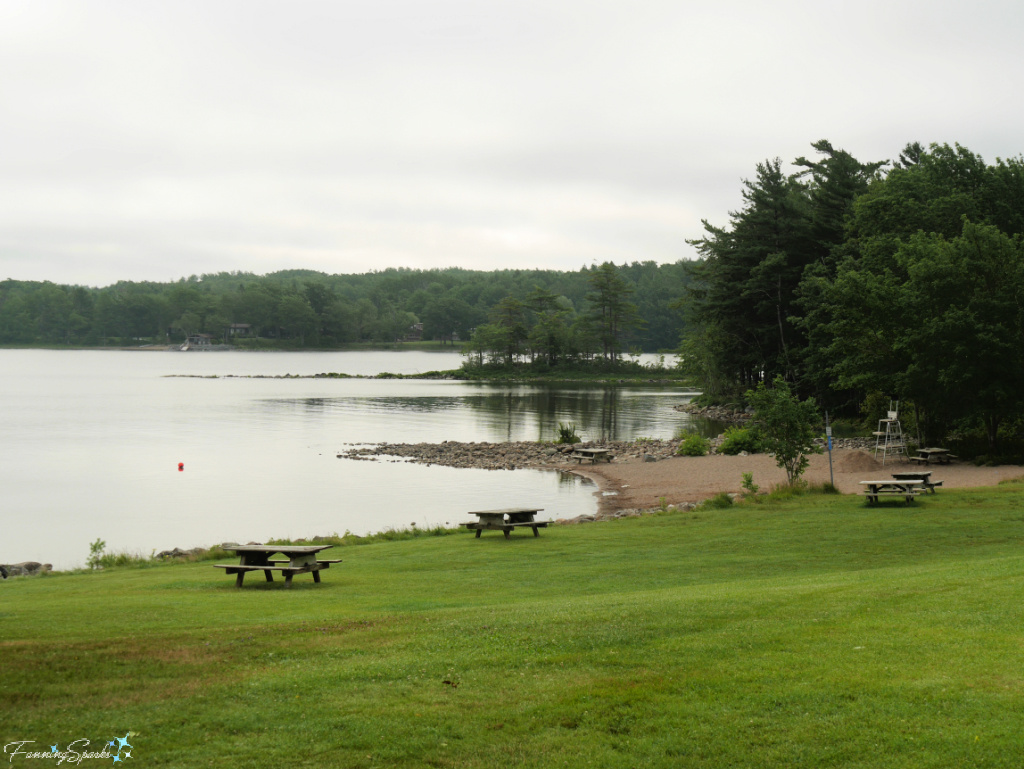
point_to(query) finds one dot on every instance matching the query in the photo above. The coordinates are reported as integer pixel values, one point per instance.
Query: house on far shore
(414, 334)
(240, 329)
(200, 340)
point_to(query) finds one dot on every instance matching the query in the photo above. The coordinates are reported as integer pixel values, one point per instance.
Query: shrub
(717, 502)
(567, 433)
(694, 445)
(739, 439)
(786, 424)
(96, 552)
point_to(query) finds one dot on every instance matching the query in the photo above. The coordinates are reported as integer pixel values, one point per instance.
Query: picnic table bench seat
(891, 492)
(505, 527)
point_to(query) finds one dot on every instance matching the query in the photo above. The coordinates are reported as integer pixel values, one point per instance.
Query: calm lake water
(92, 441)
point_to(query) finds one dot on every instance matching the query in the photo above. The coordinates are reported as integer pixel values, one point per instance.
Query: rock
(26, 568)
(175, 553)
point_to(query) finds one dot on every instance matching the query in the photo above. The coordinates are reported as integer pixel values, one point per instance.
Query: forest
(868, 282)
(305, 309)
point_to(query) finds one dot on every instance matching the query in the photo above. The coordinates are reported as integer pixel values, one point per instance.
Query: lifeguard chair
(889, 435)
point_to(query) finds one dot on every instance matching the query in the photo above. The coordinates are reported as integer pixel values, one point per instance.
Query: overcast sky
(154, 140)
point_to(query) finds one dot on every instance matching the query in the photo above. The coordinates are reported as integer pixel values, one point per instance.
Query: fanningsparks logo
(118, 749)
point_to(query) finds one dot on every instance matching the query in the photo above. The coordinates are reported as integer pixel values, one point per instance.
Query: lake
(92, 441)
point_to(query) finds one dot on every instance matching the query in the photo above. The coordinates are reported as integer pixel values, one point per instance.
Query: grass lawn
(813, 632)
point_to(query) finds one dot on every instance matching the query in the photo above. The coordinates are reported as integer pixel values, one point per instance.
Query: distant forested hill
(304, 308)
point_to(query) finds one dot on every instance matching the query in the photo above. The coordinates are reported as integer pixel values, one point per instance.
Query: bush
(787, 426)
(567, 433)
(694, 445)
(717, 502)
(739, 439)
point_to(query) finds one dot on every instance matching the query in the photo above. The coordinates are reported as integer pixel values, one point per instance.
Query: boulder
(26, 568)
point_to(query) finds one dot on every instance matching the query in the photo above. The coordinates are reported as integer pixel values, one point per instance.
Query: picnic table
(495, 520)
(300, 559)
(922, 478)
(592, 454)
(893, 487)
(926, 455)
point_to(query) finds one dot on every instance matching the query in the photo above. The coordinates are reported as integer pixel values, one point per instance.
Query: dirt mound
(856, 462)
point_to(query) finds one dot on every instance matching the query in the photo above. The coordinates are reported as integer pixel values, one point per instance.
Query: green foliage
(717, 502)
(851, 279)
(567, 433)
(306, 309)
(694, 445)
(611, 315)
(787, 426)
(738, 440)
(100, 559)
(96, 549)
(749, 487)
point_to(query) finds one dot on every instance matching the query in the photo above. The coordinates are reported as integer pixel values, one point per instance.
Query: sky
(144, 140)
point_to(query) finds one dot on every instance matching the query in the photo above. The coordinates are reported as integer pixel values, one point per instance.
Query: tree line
(860, 282)
(303, 308)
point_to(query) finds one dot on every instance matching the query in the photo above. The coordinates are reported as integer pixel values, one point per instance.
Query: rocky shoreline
(517, 455)
(718, 413)
(513, 455)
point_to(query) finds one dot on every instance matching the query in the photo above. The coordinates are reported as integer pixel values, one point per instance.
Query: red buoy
(181, 466)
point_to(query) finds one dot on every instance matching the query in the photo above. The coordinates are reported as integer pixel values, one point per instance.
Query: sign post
(828, 435)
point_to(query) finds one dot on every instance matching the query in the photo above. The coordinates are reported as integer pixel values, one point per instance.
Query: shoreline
(645, 475)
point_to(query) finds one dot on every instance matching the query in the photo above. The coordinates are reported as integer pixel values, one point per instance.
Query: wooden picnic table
(890, 487)
(300, 559)
(926, 455)
(592, 454)
(495, 520)
(923, 478)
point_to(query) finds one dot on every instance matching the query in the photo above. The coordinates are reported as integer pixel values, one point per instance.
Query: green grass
(803, 632)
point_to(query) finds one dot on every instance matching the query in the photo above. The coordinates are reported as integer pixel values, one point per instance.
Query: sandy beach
(641, 485)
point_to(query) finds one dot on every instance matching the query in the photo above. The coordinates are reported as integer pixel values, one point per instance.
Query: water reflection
(503, 413)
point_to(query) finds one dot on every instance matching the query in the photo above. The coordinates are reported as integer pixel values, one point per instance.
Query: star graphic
(123, 742)
(116, 759)
(112, 743)
(53, 748)
(127, 754)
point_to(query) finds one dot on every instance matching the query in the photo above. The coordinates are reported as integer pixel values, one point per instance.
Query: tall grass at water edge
(811, 631)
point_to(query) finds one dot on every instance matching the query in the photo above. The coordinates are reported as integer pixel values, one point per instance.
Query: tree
(744, 288)
(445, 317)
(786, 425)
(508, 328)
(296, 317)
(611, 313)
(550, 338)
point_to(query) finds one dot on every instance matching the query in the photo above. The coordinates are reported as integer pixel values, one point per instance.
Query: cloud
(150, 141)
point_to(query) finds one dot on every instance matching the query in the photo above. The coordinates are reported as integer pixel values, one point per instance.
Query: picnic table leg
(478, 532)
(316, 575)
(535, 532)
(288, 579)
(238, 578)
(506, 532)
(270, 575)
